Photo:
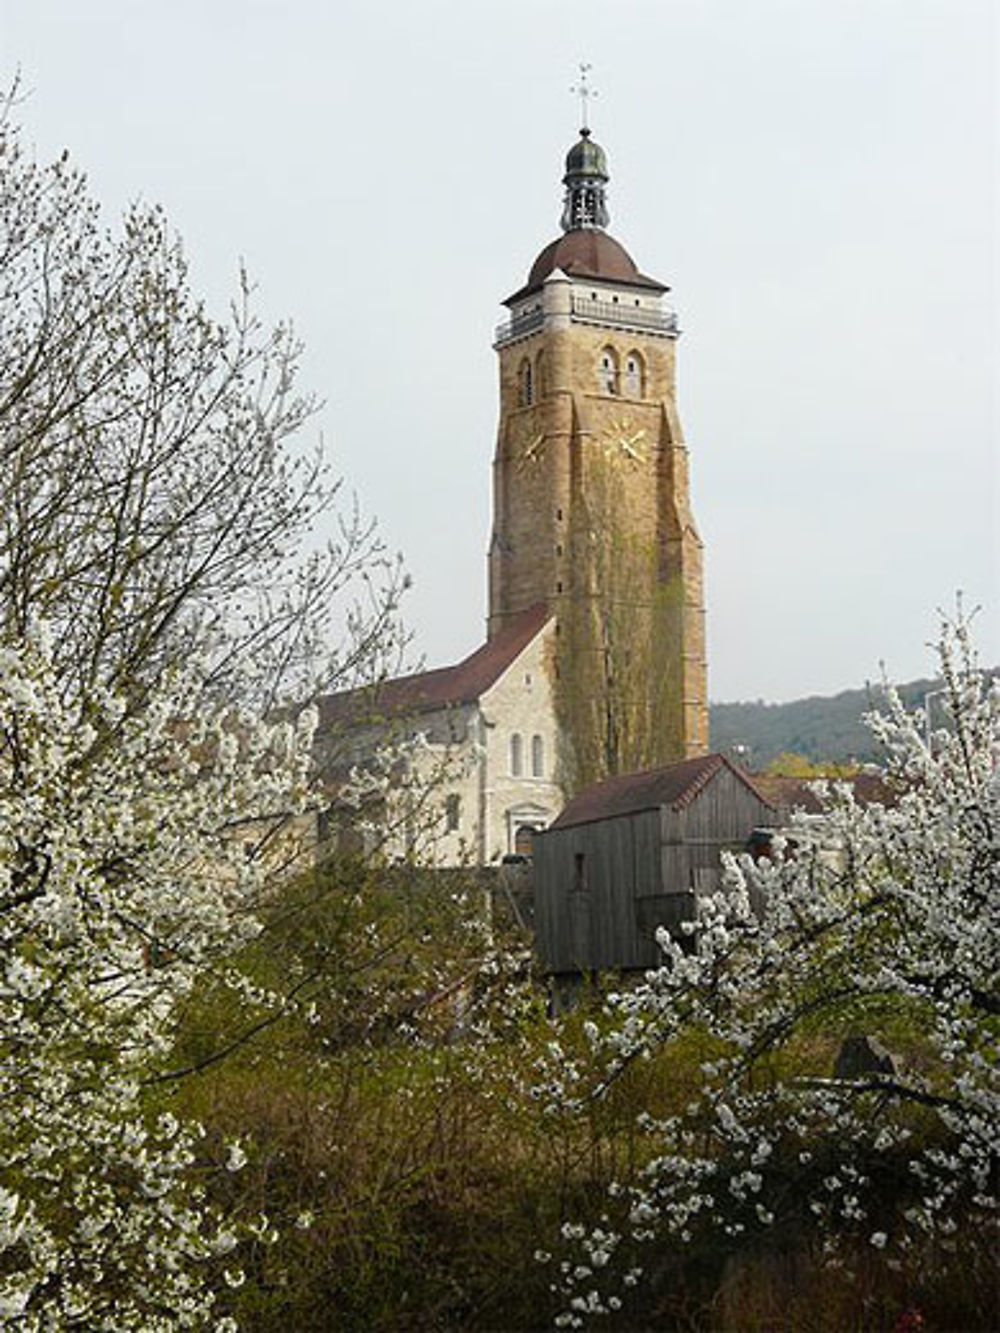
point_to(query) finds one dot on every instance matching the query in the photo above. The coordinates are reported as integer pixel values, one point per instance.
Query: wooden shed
(631, 854)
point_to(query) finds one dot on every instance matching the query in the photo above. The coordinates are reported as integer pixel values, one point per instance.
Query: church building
(594, 663)
(470, 749)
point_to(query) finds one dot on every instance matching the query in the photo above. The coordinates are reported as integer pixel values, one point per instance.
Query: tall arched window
(634, 375)
(537, 757)
(452, 812)
(541, 375)
(607, 371)
(525, 384)
(516, 755)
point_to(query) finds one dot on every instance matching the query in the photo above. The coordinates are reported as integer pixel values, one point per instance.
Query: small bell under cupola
(584, 205)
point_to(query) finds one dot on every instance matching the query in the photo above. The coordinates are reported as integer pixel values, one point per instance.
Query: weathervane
(584, 91)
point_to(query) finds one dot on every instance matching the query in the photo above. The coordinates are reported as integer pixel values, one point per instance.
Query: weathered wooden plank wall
(602, 888)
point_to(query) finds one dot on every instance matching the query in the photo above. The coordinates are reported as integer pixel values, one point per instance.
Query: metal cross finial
(584, 91)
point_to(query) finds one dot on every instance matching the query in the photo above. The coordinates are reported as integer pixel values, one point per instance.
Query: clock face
(527, 446)
(623, 439)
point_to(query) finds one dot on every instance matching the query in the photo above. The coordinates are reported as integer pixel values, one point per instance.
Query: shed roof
(443, 687)
(676, 786)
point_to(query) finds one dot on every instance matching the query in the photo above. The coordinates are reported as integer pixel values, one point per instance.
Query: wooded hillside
(820, 727)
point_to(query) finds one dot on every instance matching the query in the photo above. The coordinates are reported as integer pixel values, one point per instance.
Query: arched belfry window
(541, 375)
(525, 384)
(516, 755)
(607, 371)
(635, 376)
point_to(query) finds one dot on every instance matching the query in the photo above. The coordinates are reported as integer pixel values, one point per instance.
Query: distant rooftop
(796, 793)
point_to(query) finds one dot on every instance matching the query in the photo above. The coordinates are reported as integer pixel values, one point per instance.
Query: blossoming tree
(157, 601)
(883, 919)
(120, 883)
(154, 502)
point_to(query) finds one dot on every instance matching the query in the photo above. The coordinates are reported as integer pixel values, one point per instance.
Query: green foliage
(433, 1171)
(617, 657)
(390, 1104)
(789, 765)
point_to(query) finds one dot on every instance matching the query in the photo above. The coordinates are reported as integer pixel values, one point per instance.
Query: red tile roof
(443, 687)
(787, 794)
(676, 786)
(796, 793)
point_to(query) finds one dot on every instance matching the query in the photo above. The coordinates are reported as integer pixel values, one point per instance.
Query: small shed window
(516, 755)
(452, 811)
(607, 371)
(525, 384)
(579, 873)
(537, 757)
(634, 375)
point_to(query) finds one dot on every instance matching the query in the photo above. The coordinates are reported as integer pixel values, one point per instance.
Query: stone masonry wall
(578, 448)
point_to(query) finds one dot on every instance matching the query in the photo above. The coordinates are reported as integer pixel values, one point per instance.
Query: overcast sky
(815, 179)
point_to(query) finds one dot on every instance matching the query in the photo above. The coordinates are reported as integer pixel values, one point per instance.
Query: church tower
(592, 514)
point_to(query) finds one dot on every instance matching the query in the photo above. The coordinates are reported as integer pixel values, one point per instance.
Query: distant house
(800, 811)
(798, 794)
(487, 724)
(631, 854)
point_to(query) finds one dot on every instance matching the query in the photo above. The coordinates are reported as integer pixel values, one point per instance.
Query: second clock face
(527, 445)
(624, 439)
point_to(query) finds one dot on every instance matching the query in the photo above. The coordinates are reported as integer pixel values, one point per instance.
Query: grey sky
(816, 179)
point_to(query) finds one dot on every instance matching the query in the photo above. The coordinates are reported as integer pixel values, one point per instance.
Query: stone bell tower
(591, 503)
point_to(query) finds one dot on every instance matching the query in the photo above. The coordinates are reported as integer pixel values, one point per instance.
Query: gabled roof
(676, 787)
(443, 687)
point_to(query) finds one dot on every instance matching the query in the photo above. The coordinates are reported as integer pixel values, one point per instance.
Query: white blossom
(236, 1158)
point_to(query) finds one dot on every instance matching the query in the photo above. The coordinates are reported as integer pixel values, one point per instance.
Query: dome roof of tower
(586, 158)
(587, 253)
